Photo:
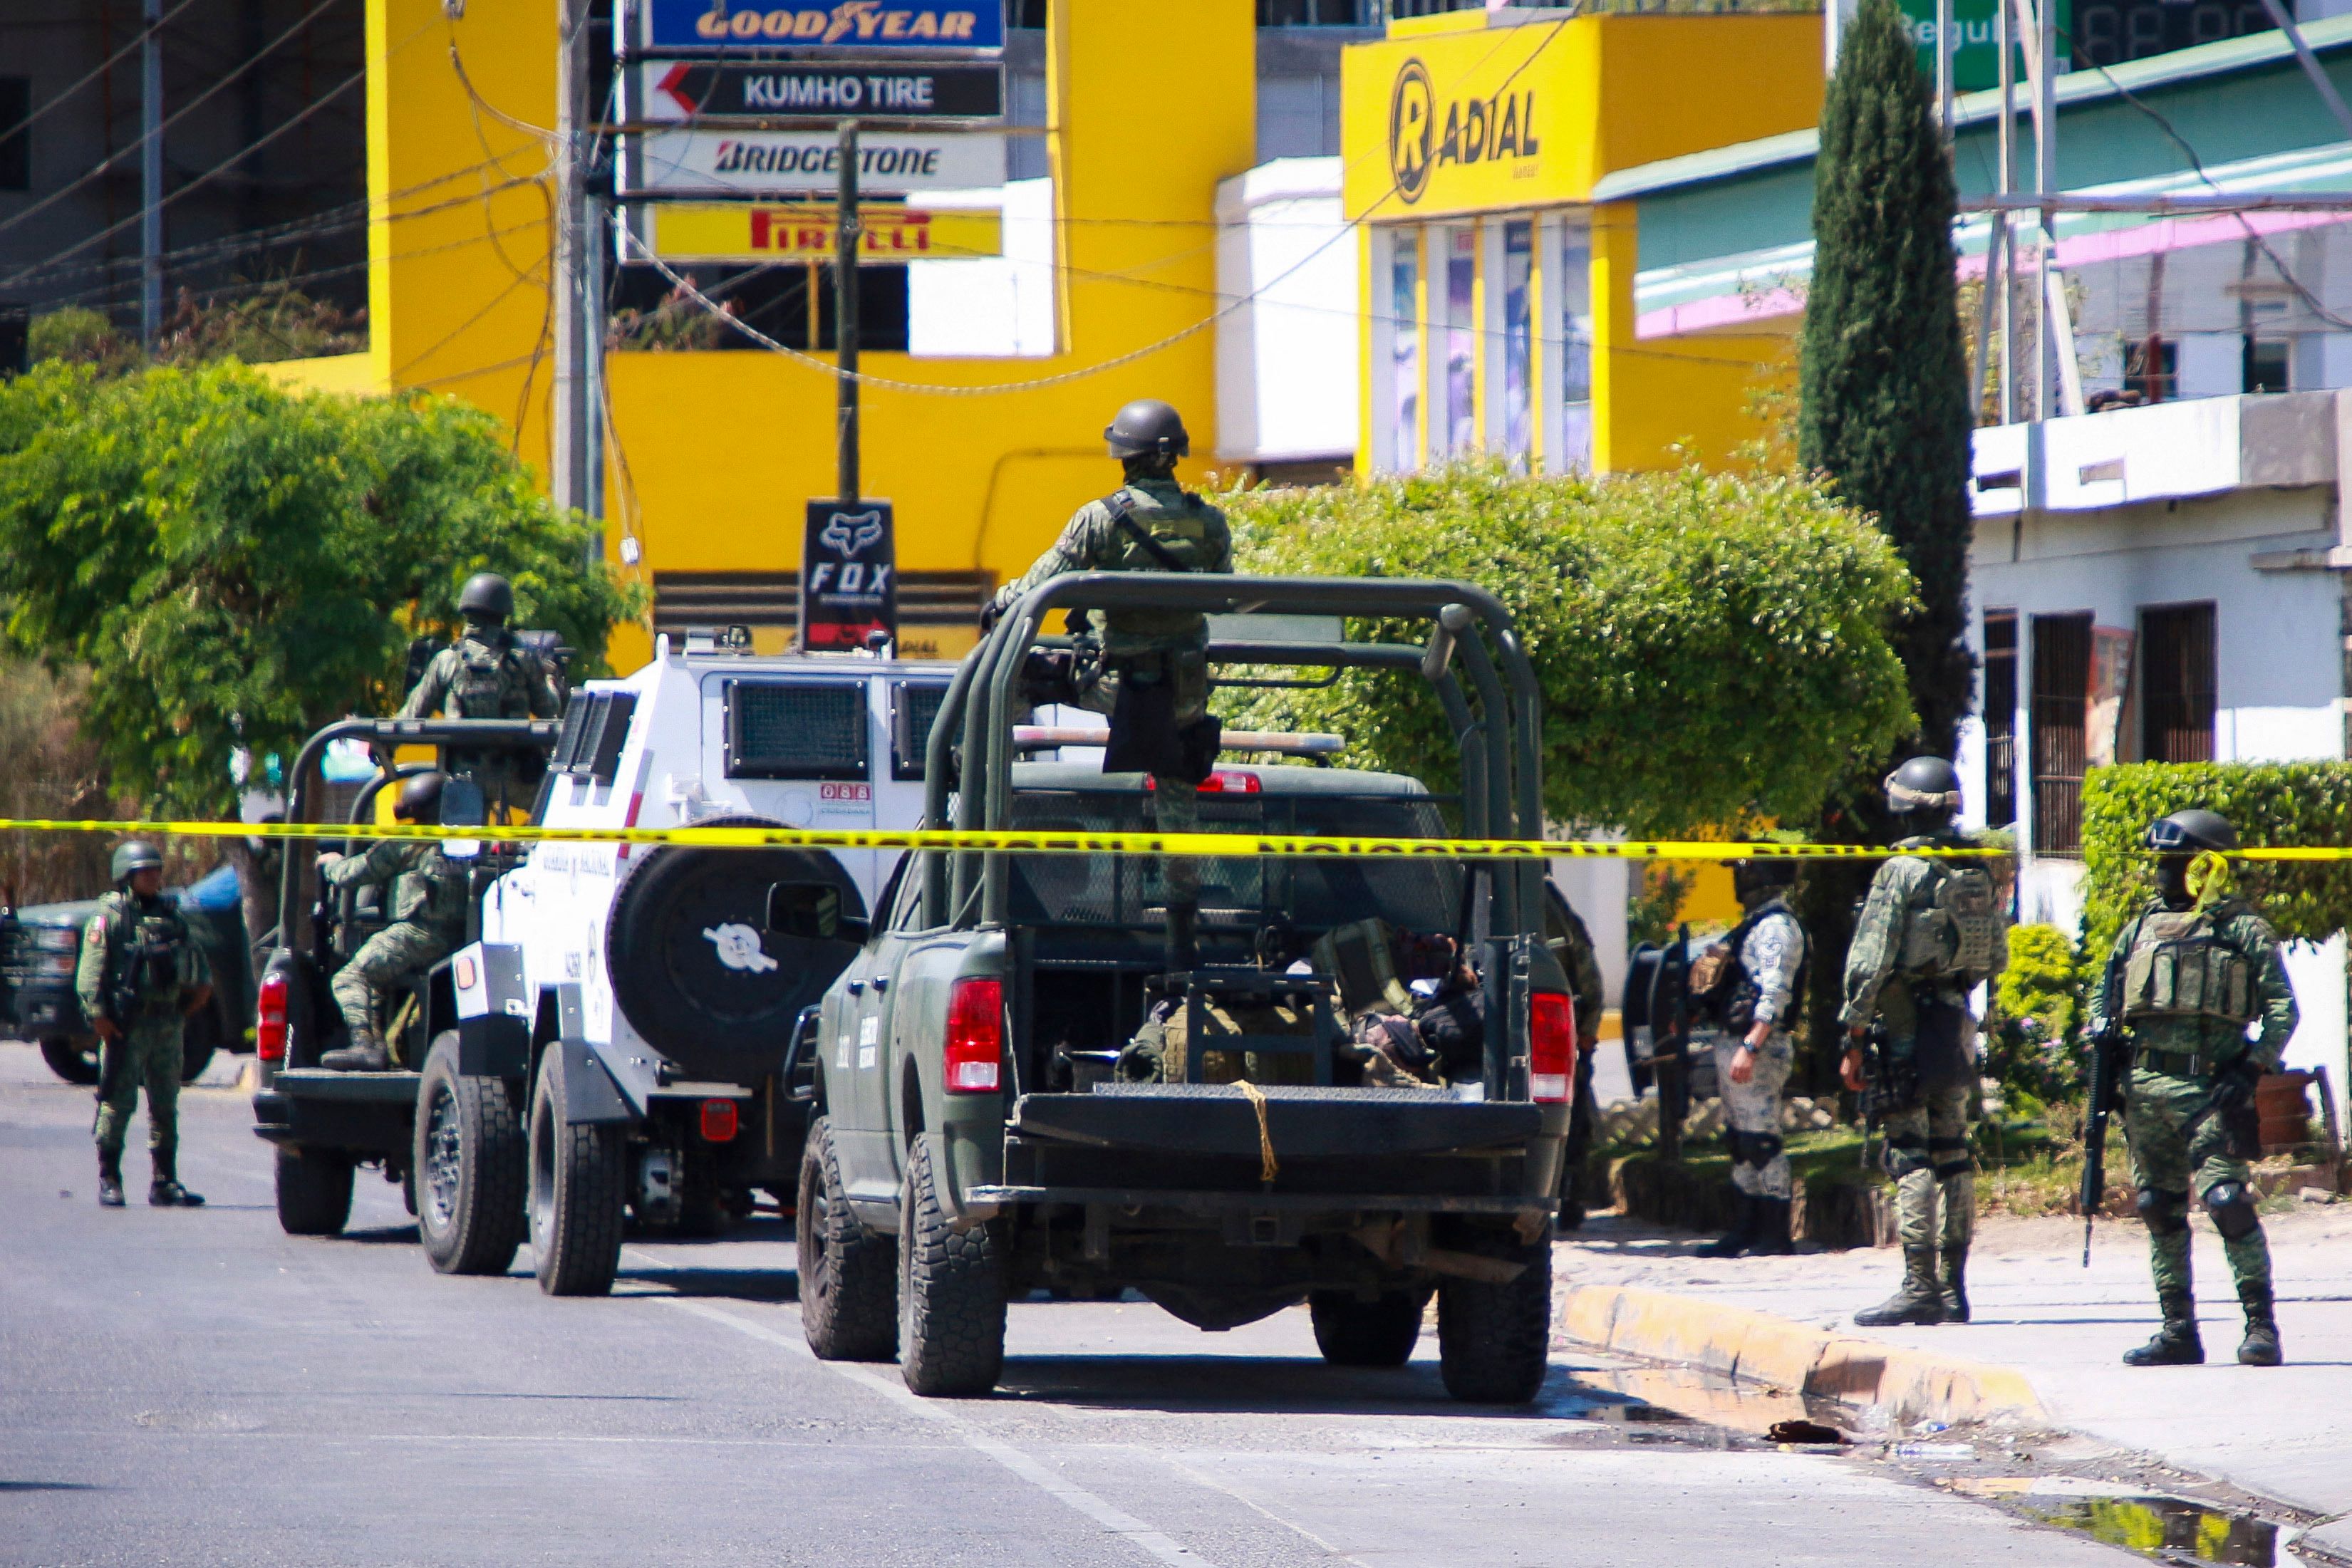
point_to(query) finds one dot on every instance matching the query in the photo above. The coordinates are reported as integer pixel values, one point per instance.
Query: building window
(1519, 406)
(2001, 716)
(2176, 690)
(1573, 282)
(2062, 690)
(16, 140)
(2266, 364)
(1404, 325)
(1461, 339)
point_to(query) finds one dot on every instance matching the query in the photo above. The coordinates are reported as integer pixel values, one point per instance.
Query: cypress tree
(1883, 377)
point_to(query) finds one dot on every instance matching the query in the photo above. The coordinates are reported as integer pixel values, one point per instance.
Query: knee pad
(1906, 1153)
(1763, 1148)
(2232, 1210)
(2165, 1213)
(1950, 1158)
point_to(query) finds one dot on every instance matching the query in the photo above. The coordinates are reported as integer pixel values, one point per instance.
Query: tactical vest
(2179, 967)
(1725, 991)
(1148, 535)
(489, 681)
(143, 946)
(1955, 928)
(431, 893)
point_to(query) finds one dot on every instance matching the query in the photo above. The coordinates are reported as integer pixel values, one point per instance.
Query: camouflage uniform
(428, 914)
(2172, 1078)
(1887, 980)
(1571, 943)
(486, 674)
(1145, 645)
(147, 1049)
(1771, 955)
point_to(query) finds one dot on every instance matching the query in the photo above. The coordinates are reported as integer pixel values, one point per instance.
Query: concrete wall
(1287, 364)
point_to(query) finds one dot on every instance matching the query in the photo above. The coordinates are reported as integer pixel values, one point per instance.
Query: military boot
(1183, 955)
(110, 1178)
(1956, 1284)
(163, 1190)
(1773, 1237)
(1741, 1238)
(2176, 1344)
(364, 1054)
(2261, 1345)
(1920, 1301)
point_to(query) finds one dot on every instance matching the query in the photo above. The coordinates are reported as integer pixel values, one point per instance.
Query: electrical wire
(108, 64)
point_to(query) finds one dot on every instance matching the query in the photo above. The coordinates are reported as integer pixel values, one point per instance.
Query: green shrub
(2032, 1045)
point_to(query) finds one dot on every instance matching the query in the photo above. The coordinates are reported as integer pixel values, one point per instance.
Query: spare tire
(695, 969)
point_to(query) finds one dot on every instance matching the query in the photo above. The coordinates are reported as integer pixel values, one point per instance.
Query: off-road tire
(951, 1292)
(578, 1180)
(314, 1192)
(1351, 1332)
(72, 1058)
(469, 1194)
(1494, 1342)
(848, 1274)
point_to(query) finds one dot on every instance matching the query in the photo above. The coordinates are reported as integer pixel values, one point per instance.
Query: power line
(112, 60)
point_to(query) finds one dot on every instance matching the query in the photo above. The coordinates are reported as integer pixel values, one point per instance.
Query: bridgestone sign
(764, 163)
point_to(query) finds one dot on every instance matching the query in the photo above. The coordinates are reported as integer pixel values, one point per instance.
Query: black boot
(1741, 1238)
(2261, 1345)
(164, 1190)
(2176, 1344)
(110, 1178)
(1956, 1284)
(1183, 956)
(1773, 1237)
(1920, 1301)
(363, 1054)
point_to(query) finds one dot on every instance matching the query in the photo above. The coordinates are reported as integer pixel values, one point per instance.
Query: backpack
(1957, 927)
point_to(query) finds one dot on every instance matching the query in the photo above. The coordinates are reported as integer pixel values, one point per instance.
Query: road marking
(1113, 1520)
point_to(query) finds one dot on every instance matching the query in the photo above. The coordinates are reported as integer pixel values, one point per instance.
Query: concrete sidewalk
(2284, 1433)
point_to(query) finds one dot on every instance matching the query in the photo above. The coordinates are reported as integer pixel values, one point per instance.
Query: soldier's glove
(2233, 1085)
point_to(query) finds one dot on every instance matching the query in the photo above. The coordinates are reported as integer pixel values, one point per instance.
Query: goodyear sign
(738, 235)
(842, 25)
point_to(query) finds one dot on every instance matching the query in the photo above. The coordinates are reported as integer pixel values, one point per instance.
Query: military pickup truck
(991, 1123)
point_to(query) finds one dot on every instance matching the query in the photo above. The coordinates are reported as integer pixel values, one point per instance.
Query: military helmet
(2185, 832)
(420, 797)
(134, 855)
(487, 596)
(1924, 784)
(1148, 428)
(1753, 879)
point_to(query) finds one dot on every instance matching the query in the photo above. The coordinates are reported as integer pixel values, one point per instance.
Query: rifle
(2110, 1057)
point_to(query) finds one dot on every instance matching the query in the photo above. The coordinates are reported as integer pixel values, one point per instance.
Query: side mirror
(812, 911)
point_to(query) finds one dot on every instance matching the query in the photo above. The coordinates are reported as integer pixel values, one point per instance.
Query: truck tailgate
(1301, 1122)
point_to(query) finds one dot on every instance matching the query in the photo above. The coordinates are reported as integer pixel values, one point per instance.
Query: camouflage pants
(1928, 1155)
(382, 962)
(2180, 1169)
(1754, 1107)
(149, 1054)
(1176, 807)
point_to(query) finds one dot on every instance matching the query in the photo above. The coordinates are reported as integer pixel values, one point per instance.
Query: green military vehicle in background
(1012, 1094)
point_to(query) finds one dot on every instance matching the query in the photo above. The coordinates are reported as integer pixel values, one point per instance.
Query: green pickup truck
(989, 1121)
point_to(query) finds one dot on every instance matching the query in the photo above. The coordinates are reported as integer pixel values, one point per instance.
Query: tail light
(1223, 782)
(975, 1036)
(269, 1018)
(1551, 1048)
(718, 1120)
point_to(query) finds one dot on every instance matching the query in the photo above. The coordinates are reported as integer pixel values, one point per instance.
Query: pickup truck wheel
(1351, 1332)
(578, 1182)
(950, 1293)
(1493, 1340)
(75, 1059)
(314, 1192)
(848, 1274)
(467, 1167)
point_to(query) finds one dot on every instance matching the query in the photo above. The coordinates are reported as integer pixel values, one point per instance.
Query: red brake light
(1551, 1048)
(718, 1120)
(269, 1018)
(1223, 782)
(975, 1036)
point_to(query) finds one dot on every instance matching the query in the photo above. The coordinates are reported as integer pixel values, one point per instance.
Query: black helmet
(2185, 832)
(487, 596)
(1924, 784)
(1148, 428)
(420, 798)
(134, 854)
(1756, 879)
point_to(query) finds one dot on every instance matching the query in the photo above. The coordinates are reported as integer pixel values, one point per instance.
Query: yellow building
(1499, 296)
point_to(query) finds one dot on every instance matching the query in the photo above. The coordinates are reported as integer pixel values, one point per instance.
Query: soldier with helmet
(141, 974)
(1155, 680)
(1931, 931)
(1752, 993)
(487, 673)
(427, 906)
(2191, 973)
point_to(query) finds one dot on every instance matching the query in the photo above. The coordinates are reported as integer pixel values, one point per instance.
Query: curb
(1909, 1386)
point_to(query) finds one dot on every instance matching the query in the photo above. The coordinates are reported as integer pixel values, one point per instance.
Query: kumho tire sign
(847, 25)
(803, 163)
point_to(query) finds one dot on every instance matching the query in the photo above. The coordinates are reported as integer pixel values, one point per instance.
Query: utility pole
(150, 174)
(2006, 175)
(2045, 184)
(573, 449)
(1944, 67)
(845, 316)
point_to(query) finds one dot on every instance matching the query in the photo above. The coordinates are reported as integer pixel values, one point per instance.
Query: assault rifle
(2110, 1059)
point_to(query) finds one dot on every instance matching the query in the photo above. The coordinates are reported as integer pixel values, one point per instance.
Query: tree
(235, 565)
(1712, 648)
(1883, 377)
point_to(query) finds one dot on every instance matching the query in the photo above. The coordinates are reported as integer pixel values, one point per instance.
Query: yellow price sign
(788, 231)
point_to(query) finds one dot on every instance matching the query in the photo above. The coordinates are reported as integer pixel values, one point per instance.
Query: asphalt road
(196, 1388)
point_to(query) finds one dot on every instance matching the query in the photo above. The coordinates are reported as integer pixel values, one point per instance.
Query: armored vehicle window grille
(1310, 893)
(567, 739)
(914, 706)
(776, 731)
(595, 728)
